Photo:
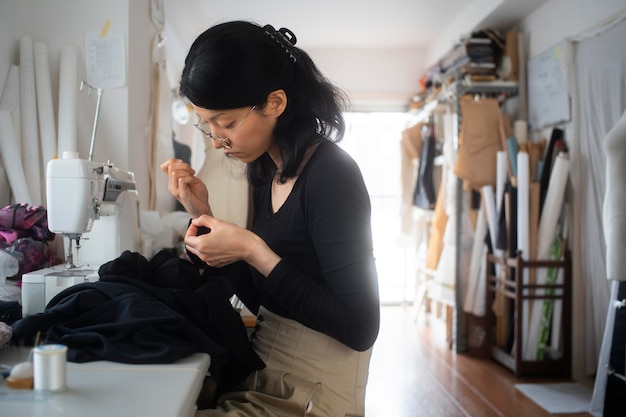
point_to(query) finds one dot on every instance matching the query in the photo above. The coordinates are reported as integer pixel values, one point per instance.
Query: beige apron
(308, 374)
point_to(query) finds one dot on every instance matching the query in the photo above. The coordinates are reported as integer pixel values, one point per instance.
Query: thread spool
(49, 363)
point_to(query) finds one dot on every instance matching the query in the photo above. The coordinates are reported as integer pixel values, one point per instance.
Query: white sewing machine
(95, 207)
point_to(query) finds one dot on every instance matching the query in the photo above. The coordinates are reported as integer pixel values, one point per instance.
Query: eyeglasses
(201, 126)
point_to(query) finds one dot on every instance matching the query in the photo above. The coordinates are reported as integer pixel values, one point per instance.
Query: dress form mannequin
(614, 210)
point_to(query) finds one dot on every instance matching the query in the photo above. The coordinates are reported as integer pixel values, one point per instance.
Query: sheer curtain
(160, 131)
(596, 74)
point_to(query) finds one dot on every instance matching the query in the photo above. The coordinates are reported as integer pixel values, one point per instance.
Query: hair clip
(285, 38)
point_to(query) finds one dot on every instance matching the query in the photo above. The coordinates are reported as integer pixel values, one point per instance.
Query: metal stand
(460, 89)
(605, 370)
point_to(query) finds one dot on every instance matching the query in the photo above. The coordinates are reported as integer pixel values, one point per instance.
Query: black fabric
(143, 312)
(556, 136)
(10, 311)
(502, 240)
(475, 199)
(164, 270)
(424, 195)
(512, 191)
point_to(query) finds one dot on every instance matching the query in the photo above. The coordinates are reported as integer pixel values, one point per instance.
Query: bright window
(373, 140)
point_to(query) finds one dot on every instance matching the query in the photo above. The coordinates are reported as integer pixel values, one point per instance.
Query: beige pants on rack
(307, 374)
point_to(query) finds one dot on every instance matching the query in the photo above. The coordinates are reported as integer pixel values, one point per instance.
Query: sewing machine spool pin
(96, 116)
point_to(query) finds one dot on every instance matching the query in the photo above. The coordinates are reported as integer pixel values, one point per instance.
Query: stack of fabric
(477, 56)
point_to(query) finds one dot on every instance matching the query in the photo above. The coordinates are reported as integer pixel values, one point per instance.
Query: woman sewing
(310, 275)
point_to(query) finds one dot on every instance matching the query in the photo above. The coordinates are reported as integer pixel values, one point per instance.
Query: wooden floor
(414, 373)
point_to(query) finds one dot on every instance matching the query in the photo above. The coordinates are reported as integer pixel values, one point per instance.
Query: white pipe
(10, 101)
(68, 97)
(31, 156)
(47, 124)
(12, 162)
(523, 228)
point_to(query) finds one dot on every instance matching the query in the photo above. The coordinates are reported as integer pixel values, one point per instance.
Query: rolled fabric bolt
(49, 363)
(68, 97)
(10, 153)
(45, 107)
(520, 130)
(31, 155)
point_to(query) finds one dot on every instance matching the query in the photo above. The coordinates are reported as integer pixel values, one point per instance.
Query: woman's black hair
(237, 64)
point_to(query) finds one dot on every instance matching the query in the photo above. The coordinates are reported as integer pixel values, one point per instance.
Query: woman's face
(244, 133)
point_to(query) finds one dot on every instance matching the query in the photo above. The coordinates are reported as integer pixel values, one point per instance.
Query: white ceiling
(375, 50)
(326, 24)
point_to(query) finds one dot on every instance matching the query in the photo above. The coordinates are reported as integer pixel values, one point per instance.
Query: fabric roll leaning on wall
(31, 156)
(45, 108)
(11, 158)
(10, 103)
(475, 302)
(68, 97)
(523, 216)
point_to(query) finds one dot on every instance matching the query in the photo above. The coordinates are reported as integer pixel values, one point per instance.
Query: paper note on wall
(105, 56)
(548, 96)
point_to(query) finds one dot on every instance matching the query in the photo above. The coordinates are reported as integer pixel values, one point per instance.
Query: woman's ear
(276, 102)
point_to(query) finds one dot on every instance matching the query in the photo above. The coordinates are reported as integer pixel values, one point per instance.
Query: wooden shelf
(518, 293)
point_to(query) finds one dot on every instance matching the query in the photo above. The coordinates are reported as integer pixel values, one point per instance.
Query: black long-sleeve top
(327, 277)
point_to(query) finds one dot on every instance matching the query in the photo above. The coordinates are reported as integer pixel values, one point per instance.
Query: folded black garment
(127, 318)
(165, 269)
(117, 322)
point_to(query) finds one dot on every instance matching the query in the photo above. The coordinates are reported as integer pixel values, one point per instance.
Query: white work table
(108, 389)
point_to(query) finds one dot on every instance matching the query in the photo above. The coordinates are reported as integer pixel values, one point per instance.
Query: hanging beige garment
(411, 147)
(161, 132)
(229, 193)
(435, 242)
(479, 141)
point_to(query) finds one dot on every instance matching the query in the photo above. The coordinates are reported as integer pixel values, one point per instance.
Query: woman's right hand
(188, 189)
(225, 243)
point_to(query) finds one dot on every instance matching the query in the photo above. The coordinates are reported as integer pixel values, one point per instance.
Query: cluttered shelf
(495, 185)
(484, 60)
(439, 102)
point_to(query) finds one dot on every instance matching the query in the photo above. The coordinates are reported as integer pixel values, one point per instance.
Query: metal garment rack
(459, 89)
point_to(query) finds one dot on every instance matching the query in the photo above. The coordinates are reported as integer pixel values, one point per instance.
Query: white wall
(558, 19)
(7, 22)
(7, 38)
(465, 22)
(549, 25)
(124, 111)
(374, 78)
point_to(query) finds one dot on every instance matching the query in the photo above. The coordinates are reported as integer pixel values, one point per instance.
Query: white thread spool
(49, 363)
